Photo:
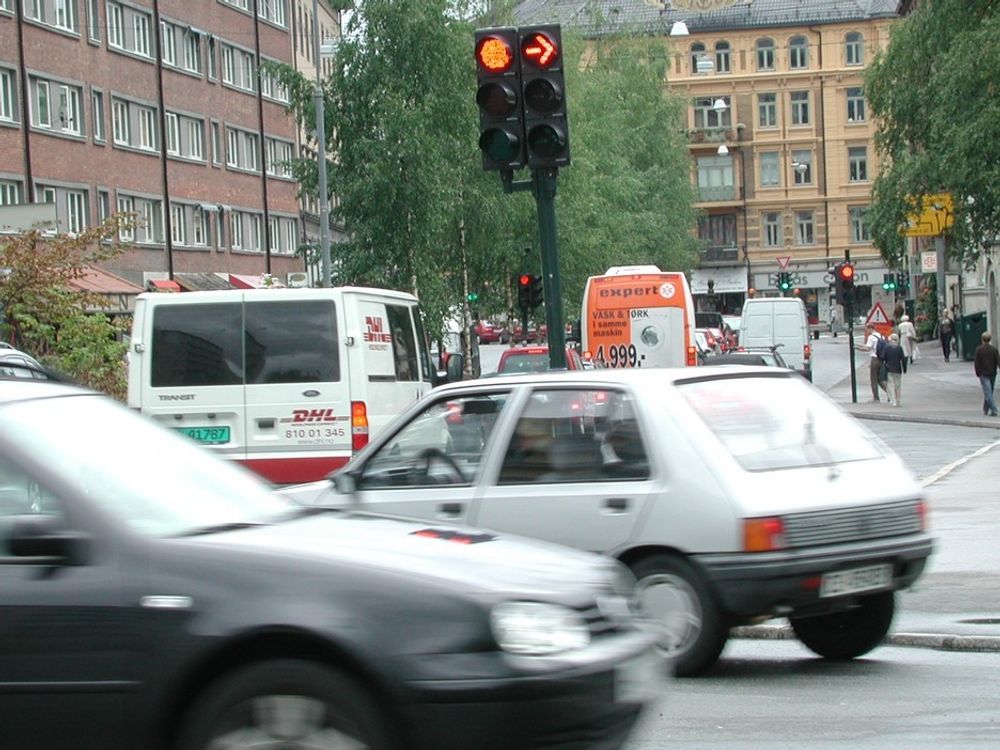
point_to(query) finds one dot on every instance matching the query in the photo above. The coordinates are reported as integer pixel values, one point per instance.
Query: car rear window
(525, 363)
(777, 422)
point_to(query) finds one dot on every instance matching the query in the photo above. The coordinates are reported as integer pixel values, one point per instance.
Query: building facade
(161, 108)
(780, 136)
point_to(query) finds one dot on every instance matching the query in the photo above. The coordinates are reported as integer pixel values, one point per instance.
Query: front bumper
(589, 699)
(785, 583)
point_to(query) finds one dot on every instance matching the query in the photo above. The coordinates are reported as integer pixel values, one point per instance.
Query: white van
(290, 382)
(781, 322)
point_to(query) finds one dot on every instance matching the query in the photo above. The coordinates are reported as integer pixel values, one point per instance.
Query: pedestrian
(946, 326)
(898, 312)
(908, 340)
(874, 363)
(833, 321)
(895, 362)
(986, 363)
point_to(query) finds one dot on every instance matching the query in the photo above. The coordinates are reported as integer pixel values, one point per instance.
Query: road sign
(878, 318)
(783, 262)
(928, 261)
(931, 216)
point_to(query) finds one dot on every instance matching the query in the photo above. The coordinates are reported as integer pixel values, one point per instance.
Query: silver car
(734, 494)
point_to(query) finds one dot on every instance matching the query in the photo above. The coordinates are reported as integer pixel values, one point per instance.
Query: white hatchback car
(735, 494)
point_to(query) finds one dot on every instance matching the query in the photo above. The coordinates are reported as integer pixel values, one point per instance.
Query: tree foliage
(935, 94)
(42, 314)
(419, 211)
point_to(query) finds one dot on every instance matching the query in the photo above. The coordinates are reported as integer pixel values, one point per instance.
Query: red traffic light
(846, 272)
(494, 54)
(524, 280)
(540, 50)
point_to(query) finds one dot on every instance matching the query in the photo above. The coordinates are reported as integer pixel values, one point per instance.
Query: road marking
(947, 469)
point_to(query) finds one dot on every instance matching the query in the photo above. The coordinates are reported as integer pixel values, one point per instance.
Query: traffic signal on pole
(889, 282)
(524, 291)
(546, 128)
(844, 282)
(498, 71)
(472, 296)
(902, 282)
(784, 281)
(536, 294)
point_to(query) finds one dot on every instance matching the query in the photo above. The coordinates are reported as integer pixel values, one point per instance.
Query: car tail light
(453, 414)
(359, 425)
(807, 352)
(601, 397)
(763, 534)
(922, 512)
(692, 356)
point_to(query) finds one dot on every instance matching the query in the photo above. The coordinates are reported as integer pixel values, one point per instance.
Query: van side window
(292, 341)
(404, 342)
(197, 345)
(423, 349)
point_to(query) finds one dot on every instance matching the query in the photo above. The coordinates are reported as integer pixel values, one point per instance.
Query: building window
(804, 230)
(765, 54)
(706, 116)
(256, 234)
(173, 134)
(857, 160)
(116, 25)
(126, 206)
(151, 212)
(8, 99)
(271, 10)
(140, 28)
(798, 52)
(97, 105)
(232, 148)
(802, 167)
(242, 148)
(103, 205)
(199, 227)
(69, 110)
(767, 110)
(291, 239)
(228, 65)
(192, 51)
(35, 10)
(178, 233)
(42, 116)
(76, 211)
(169, 43)
(248, 72)
(212, 72)
(715, 178)
(854, 49)
(10, 193)
(855, 105)
(800, 108)
(770, 172)
(278, 154)
(699, 60)
(859, 225)
(236, 229)
(216, 144)
(121, 127)
(66, 14)
(94, 20)
(771, 231)
(722, 57)
(195, 138)
(147, 128)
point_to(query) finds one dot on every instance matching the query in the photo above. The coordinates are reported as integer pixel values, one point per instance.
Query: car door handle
(450, 510)
(616, 504)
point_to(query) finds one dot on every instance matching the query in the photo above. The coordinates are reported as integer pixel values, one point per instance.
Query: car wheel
(285, 703)
(851, 633)
(681, 605)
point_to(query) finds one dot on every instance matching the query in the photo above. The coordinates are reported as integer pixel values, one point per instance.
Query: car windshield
(159, 483)
(777, 422)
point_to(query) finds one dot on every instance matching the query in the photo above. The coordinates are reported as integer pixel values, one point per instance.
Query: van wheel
(851, 633)
(285, 703)
(682, 606)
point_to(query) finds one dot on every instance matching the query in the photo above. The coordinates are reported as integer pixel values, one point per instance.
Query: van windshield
(778, 422)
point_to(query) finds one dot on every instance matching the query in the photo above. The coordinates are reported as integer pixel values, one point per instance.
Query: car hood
(473, 559)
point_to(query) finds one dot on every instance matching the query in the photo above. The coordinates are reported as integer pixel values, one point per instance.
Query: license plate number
(853, 581)
(641, 679)
(206, 435)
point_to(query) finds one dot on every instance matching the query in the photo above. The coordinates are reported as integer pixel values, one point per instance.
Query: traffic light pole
(545, 198)
(849, 313)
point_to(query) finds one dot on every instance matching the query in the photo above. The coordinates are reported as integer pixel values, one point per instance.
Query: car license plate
(206, 435)
(858, 579)
(641, 678)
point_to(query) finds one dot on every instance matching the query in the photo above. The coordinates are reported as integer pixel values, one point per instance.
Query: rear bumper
(782, 583)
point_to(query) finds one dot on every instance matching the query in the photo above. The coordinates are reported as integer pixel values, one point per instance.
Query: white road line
(946, 470)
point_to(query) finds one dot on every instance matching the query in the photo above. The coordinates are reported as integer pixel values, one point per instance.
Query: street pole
(324, 199)
(849, 312)
(545, 198)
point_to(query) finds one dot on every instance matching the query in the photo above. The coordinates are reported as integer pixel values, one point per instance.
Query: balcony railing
(722, 253)
(711, 135)
(717, 193)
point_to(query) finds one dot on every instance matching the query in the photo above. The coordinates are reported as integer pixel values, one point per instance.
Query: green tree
(42, 314)
(935, 95)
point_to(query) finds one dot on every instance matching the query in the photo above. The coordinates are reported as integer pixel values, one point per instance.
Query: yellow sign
(935, 216)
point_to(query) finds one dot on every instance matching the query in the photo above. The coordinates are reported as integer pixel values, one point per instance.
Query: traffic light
(472, 296)
(889, 282)
(546, 129)
(498, 71)
(902, 282)
(535, 294)
(784, 281)
(524, 291)
(844, 282)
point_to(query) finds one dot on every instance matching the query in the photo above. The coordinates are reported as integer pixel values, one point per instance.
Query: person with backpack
(872, 345)
(894, 359)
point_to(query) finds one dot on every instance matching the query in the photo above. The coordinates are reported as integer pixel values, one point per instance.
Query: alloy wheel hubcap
(672, 605)
(284, 722)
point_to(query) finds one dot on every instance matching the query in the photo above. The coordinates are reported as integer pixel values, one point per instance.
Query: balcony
(719, 253)
(711, 135)
(717, 193)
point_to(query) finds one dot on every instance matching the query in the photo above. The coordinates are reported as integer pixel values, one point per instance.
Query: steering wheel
(430, 455)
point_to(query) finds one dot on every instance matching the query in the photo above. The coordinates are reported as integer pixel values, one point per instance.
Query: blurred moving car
(733, 493)
(17, 364)
(758, 357)
(198, 610)
(534, 359)
(491, 333)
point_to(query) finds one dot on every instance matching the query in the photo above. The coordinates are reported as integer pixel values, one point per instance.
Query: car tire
(681, 603)
(288, 700)
(850, 633)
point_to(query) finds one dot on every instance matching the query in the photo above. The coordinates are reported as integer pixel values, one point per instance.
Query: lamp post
(324, 198)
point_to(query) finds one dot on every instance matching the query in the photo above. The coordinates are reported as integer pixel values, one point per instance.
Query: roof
(202, 282)
(98, 280)
(603, 17)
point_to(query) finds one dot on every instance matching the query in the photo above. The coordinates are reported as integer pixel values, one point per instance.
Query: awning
(164, 285)
(251, 281)
(119, 293)
(725, 279)
(201, 282)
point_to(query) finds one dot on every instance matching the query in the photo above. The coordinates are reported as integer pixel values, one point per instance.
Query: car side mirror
(41, 536)
(346, 482)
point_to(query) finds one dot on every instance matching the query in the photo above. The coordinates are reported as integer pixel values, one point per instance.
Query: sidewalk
(934, 391)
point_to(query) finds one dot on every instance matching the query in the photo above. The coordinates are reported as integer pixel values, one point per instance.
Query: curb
(921, 420)
(936, 641)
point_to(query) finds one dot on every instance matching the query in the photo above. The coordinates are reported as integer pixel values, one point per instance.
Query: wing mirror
(345, 482)
(40, 536)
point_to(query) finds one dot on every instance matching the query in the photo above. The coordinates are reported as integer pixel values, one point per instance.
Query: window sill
(137, 149)
(240, 89)
(181, 70)
(243, 170)
(10, 124)
(81, 138)
(69, 33)
(129, 53)
(186, 159)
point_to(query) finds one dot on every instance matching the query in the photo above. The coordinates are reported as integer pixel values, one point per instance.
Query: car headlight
(537, 629)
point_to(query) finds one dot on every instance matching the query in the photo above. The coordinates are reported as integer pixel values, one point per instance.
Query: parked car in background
(522, 359)
(692, 477)
(491, 333)
(711, 341)
(714, 324)
(207, 612)
(17, 364)
(535, 333)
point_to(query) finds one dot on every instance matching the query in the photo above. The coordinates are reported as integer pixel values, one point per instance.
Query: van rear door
(298, 410)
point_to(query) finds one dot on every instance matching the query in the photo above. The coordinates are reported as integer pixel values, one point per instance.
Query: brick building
(99, 113)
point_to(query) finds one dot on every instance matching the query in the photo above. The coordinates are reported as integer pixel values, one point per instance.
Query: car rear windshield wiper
(219, 528)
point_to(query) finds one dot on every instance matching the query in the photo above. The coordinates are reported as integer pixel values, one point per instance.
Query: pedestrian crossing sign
(878, 318)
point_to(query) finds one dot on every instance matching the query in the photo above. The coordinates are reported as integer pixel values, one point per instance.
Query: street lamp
(722, 150)
(679, 28)
(720, 105)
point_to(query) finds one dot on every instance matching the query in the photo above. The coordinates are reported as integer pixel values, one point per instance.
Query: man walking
(833, 321)
(895, 362)
(946, 325)
(872, 338)
(986, 363)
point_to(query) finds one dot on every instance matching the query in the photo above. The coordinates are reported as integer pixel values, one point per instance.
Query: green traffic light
(472, 297)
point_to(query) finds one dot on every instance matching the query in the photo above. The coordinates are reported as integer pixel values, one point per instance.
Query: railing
(718, 193)
(726, 253)
(711, 135)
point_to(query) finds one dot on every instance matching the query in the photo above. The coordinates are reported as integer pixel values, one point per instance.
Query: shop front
(721, 289)
(814, 283)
